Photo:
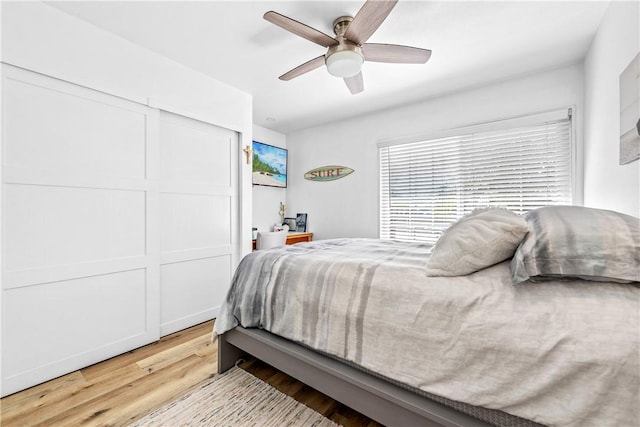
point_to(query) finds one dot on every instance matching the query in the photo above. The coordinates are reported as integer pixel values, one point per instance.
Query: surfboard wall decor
(328, 173)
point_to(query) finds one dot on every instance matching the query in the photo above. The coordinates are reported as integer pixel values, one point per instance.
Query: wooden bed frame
(378, 399)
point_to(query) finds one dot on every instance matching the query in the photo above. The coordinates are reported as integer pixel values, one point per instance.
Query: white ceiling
(473, 43)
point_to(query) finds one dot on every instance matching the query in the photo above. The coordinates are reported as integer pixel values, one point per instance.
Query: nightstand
(293, 237)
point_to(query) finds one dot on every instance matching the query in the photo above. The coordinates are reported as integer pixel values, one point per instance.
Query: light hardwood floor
(125, 388)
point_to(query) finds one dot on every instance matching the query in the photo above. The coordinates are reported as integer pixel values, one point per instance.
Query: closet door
(80, 261)
(198, 219)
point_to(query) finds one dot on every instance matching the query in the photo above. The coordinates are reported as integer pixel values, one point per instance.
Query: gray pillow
(476, 241)
(578, 242)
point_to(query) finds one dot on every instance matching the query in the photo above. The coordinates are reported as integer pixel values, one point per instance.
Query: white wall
(266, 200)
(608, 184)
(348, 207)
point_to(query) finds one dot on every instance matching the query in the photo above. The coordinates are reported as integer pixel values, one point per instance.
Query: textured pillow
(573, 241)
(476, 241)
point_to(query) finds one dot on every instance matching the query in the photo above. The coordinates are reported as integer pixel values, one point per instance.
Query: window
(519, 164)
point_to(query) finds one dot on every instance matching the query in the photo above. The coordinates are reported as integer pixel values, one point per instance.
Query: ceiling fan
(348, 49)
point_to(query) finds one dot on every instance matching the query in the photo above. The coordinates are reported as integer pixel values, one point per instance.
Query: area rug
(235, 398)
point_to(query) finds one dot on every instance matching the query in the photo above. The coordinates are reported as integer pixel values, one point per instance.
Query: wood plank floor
(123, 389)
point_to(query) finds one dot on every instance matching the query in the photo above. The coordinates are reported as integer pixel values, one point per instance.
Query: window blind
(427, 185)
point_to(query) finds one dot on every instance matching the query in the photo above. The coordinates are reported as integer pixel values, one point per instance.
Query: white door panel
(71, 130)
(80, 245)
(48, 226)
(190, 289)
(50, 330)
(198, 219)
(192, 221)
(195, 152)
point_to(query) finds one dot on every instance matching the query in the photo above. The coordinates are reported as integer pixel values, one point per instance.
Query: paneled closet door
(198, 219)
(80, 258)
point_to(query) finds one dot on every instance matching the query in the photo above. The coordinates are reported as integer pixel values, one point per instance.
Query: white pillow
(476, 241)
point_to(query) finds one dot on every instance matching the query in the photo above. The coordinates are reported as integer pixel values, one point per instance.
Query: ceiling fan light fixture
(344, 56)
(344, 63)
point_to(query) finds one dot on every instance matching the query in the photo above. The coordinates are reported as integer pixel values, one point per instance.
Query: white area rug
(235, 398)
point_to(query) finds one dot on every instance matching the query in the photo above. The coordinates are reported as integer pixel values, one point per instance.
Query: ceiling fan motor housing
(345, 58)
(340, 25)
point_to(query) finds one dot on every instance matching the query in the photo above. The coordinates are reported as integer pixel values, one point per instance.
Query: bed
(414, 334)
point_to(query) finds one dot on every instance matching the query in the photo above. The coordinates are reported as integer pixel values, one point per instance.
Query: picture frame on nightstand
(291, 222)
(301, 222)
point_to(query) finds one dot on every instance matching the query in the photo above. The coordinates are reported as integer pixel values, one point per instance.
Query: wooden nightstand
(296, 237)
(293, 237)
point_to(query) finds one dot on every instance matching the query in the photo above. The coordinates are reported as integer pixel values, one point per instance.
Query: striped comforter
(558, 353)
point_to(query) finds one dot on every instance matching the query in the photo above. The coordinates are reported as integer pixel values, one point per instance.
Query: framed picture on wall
(630, 112)
(269, 165)
(301, 222)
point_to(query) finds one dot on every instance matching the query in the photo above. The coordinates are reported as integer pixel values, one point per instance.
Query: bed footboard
(373, 397)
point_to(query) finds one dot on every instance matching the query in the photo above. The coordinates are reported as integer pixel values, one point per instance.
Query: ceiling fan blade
(368, 19)
(355, 83)
(304, 68)
(300, 29)
(378, 52)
